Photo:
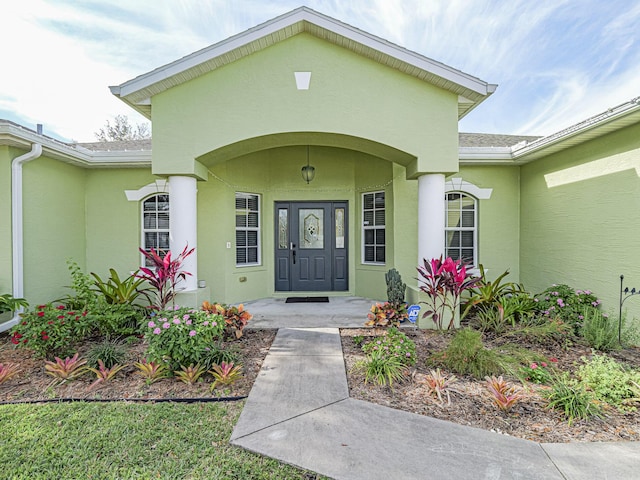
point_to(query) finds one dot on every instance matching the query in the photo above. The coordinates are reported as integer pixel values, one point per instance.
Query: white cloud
(557, 62)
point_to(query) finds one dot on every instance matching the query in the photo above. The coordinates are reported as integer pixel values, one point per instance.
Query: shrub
(63, 370)
(381, 369)
(386, 315)
(103, 373)
(164, 276)
(599, 330)
(8, 371)
(393, 344)
(217, 354)
(225, 374)
(466, 355)
(572, 398)
(151, 371)
(190, 374)
(10, 304)
(110, 353)
(538, 372)
(610, 381)
(235, 318)
(564, 302)
(443, 281)
(51, 330)
(486, 293)
(85, 297)
(118, 319)
(504, 396)
(440, 384)
(120, 291)
(181, 337)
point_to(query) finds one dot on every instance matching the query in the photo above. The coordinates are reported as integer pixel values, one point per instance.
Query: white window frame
(144, 230)
(248, 229)
(373, 227)
(474, 229)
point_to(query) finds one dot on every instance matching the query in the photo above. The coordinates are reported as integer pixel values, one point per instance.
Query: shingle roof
(465, 140)
(118, 146)
(492, 139)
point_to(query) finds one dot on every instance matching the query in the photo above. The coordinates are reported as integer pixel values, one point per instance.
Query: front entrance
(311, 246)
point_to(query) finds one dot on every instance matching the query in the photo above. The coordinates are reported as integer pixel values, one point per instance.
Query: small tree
(164, 276)
(121, 129)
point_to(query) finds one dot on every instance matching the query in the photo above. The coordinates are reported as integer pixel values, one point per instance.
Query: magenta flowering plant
(163, 277)
(444, 281)
(183, 337)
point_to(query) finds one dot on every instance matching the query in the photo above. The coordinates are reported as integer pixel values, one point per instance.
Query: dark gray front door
(311, 246)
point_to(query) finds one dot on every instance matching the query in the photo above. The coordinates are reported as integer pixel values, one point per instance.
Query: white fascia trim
(457, 184)
(21, 137)
(485, 153)
(159, 186)
(589, 124)
(302, 14)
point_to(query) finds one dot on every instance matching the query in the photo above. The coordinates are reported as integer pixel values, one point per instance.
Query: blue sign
(413, 312)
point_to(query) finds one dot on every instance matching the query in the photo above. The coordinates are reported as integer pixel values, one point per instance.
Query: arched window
(461, 227)
(155, 224)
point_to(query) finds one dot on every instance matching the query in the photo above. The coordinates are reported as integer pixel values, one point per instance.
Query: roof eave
(17, 136)
(615, 118)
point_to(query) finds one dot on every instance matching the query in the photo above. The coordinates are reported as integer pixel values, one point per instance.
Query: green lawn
(129, 441)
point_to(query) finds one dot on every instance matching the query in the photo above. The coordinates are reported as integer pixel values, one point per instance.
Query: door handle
(293, 250)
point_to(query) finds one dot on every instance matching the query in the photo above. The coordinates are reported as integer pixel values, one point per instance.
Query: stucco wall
(113, 222)
(348, 94)
(579, 218)
(54, 226)
(498, 218)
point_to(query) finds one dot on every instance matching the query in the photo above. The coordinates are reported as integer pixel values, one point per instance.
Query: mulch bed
(471, 404)
(33, 384)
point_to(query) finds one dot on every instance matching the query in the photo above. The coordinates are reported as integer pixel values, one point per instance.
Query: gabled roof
(137, 93)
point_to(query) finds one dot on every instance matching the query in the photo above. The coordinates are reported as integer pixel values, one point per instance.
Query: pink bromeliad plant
(164, 275)
(444, 281)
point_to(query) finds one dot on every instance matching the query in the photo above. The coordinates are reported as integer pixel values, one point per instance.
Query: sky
(556, 62)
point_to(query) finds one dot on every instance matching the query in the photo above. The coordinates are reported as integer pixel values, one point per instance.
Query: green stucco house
(305, 155)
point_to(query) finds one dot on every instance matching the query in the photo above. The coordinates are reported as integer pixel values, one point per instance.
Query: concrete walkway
(299, 412)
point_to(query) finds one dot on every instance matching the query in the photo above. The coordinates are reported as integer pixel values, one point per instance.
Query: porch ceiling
(256, 144)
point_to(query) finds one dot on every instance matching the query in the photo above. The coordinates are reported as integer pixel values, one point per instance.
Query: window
(461, 227)
(373, 229)
(247, 229)
(155, 224)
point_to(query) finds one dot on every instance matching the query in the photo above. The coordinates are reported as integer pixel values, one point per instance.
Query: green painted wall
(6, 156)
(498, 218)
(54, 226)
(114, 223)
(579, 216)
(349, 94)
(275, 174)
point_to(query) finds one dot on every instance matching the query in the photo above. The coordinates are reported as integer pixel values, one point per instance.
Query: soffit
(138, 92)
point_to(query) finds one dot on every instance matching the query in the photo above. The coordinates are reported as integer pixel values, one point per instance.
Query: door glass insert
(283, 220)
(311, 226)
(339, 227)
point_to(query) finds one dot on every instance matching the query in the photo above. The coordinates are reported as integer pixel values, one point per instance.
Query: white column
(183, 222)
(430, 216)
